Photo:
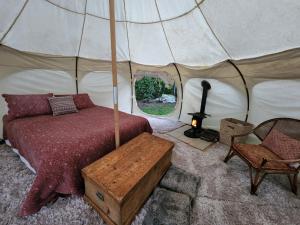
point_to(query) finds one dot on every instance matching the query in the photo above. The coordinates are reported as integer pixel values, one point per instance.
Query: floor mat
(195, 142)
(181, 181)
(168, 208)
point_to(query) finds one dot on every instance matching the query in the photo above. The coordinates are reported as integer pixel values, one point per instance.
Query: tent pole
(76, 74)
(131, 81)
(114, 70)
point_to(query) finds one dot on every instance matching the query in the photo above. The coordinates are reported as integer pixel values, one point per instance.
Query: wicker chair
(261, 159)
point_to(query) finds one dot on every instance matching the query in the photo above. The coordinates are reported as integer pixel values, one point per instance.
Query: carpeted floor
(223, 196)
(160, 125)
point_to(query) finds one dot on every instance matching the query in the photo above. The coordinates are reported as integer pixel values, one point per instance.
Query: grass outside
(157, 108)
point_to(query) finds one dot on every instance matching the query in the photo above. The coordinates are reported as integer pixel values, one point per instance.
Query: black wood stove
(197, 131)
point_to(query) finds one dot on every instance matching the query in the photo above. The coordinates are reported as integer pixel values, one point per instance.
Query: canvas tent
(248, 50)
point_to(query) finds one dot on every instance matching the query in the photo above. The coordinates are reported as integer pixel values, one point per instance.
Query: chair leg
(259, 176)
(293, 183)
(229, 155)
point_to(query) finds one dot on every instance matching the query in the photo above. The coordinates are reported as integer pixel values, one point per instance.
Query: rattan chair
(261, 159)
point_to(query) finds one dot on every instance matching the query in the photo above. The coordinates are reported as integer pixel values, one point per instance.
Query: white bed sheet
(27, 164)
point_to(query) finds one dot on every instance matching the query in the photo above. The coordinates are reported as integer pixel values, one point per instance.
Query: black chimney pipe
(206, 86)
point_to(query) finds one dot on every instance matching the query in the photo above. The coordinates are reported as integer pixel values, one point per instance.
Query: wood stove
(197, 131)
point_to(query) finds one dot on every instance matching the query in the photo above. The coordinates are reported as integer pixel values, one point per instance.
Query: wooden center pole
(114, 70)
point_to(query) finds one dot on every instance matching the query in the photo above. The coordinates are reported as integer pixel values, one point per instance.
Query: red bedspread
(59, 147)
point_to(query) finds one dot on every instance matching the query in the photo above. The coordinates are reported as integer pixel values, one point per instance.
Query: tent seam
(215, 35)
(127, 21)
(14, 21)
(129, 62)
(82, 29)
(127, 33)
(164, 31)
(245, 86)
(181, 103)
(131, 82)
(59, 6)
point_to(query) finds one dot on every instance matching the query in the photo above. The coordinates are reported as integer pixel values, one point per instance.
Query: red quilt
(59, 147)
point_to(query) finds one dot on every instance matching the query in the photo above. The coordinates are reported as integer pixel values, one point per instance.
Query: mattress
(58, 147)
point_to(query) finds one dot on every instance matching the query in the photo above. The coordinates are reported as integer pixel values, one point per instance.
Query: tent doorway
(155, 93)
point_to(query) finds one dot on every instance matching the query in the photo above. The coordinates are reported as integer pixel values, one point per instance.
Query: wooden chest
(118, 184)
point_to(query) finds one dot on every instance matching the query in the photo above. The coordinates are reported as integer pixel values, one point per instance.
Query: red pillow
(27, 105)
(282, 145)
(82, 101)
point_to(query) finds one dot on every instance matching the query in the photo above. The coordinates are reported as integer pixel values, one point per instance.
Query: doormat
(195, 142)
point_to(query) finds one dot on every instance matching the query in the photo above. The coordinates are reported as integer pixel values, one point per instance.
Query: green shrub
(149, 88)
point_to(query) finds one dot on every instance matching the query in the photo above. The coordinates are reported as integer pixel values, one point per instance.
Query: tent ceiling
(153, 32)
(253, 28)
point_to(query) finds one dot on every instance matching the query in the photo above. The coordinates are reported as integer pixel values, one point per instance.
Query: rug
(195, 142)
(172, 200)
(168, 208)
(181, 181)
(223, 197)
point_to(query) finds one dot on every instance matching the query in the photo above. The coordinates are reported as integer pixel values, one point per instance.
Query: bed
(58, 147)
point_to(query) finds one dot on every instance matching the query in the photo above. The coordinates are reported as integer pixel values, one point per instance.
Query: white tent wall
(59, 30)
(153, 32)
(275, 98)
(147, 12)
(75, 6)
(187, 49)
(273, 82)
(148, 49)
(99, 48)
(249, 29)
(99, 8)
(94, 78)
(8, 14)
(223, 101)
(283, 65)
(227, 97)
(223, 71)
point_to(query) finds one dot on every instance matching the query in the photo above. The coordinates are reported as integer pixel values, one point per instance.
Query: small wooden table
(119, 183)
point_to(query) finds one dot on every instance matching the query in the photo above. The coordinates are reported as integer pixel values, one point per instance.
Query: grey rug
(171, 202)
(168, 208)
(223, 196)
(181, 181)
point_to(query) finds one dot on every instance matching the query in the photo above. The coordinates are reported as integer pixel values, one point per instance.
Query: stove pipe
(206, 86)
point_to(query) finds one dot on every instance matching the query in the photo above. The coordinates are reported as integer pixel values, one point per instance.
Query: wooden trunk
(118, 184)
